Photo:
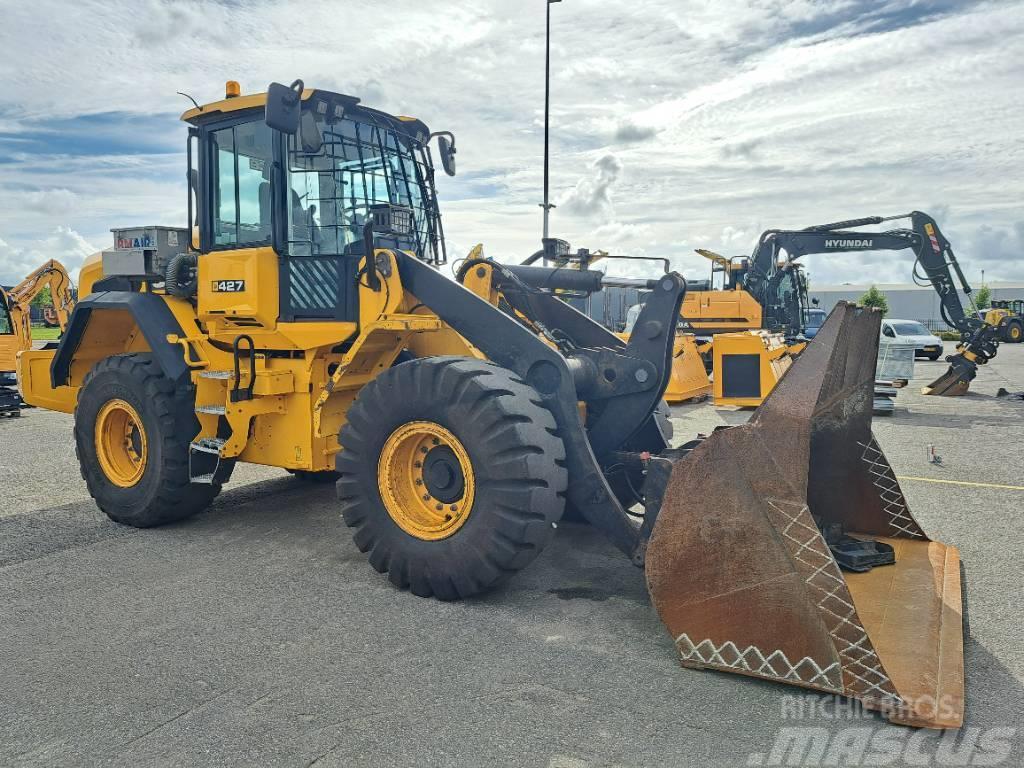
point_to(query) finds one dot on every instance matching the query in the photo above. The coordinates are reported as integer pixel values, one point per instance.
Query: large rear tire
(1013, 332)
(452, 475)
(133, 429)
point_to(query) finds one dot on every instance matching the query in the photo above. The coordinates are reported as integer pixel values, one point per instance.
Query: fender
(151, 314)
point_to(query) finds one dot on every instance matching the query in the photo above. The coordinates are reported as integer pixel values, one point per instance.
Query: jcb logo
(228, 286)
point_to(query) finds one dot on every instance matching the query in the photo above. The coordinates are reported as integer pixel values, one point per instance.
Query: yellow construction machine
(744, 359)
(300, 320)
(16, 323)
(729, 309)
(1008, 317)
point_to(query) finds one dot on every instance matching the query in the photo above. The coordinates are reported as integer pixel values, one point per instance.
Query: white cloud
(52, 202)
(630, 131)
(722, 118)
(63, 244)
(592, 195)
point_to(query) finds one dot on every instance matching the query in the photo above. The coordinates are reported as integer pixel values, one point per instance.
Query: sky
(675, 124)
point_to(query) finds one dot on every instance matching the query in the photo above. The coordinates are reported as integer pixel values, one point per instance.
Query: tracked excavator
(299, 319)
(774, 280)
(16, 323)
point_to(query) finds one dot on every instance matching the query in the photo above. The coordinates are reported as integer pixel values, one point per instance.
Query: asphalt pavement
(257, 634)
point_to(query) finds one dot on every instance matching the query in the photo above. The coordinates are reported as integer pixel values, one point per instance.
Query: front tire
(451, 475)
(133, 428)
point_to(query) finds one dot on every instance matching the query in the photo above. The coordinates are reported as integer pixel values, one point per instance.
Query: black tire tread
(176, 498)
(520, 493)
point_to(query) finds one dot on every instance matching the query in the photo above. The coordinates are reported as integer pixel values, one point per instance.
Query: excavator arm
(52, 274)
(770, 278)
(979, 340)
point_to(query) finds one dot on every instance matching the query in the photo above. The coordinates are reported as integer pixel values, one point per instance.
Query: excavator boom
(16, 322)
(782, 294)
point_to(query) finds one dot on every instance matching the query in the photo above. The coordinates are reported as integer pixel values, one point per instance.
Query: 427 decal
(228, 286)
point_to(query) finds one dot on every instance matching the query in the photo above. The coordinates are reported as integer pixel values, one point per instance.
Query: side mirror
(447, 155)
(284, 104)
(887, 331)
(446, 148)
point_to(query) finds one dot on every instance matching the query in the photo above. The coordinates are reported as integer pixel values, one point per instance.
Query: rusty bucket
(742, 563)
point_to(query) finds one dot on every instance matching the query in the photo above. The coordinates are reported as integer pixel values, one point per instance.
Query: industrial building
(906, 300)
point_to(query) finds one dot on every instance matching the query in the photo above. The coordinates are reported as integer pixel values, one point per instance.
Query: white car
(926, 343)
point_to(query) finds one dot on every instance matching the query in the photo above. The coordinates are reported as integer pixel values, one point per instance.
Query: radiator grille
(314, 285)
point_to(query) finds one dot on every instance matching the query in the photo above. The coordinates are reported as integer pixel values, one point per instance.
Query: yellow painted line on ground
(962, 482)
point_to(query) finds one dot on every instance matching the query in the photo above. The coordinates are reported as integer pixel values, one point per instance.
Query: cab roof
(409, 126)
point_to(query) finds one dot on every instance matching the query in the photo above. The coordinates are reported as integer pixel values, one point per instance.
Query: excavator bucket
(743, 564)
(956, 380)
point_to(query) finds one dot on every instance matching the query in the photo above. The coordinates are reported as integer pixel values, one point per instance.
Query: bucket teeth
(741, 573)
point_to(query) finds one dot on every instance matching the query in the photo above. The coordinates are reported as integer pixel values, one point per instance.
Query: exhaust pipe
(743, 564)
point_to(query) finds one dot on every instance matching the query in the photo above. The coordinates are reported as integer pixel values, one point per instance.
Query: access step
(204, 460)
(209, 445)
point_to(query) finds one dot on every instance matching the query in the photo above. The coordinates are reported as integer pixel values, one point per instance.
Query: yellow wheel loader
(1008, 317)
(299, 320)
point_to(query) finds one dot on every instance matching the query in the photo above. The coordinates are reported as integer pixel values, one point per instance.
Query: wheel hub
(120, 441)
(426, 480)
(442, 475)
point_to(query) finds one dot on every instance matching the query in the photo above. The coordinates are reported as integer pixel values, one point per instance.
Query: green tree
(983, 297)
(875, 298)
(43, 298)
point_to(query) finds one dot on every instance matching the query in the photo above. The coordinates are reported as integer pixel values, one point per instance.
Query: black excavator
(772, 276)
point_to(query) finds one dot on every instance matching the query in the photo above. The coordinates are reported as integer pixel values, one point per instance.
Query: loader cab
(282, 215)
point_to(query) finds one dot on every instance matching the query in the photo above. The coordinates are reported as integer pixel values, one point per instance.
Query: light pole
(547, 206)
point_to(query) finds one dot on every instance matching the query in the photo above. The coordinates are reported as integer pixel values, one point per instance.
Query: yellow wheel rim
(426, 480)
(1015, 333)
(121, 443)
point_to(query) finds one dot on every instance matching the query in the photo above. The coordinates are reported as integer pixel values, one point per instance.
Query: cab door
(238, 268)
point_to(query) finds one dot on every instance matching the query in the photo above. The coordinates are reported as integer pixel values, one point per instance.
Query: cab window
(241, 157)
(6, 326)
